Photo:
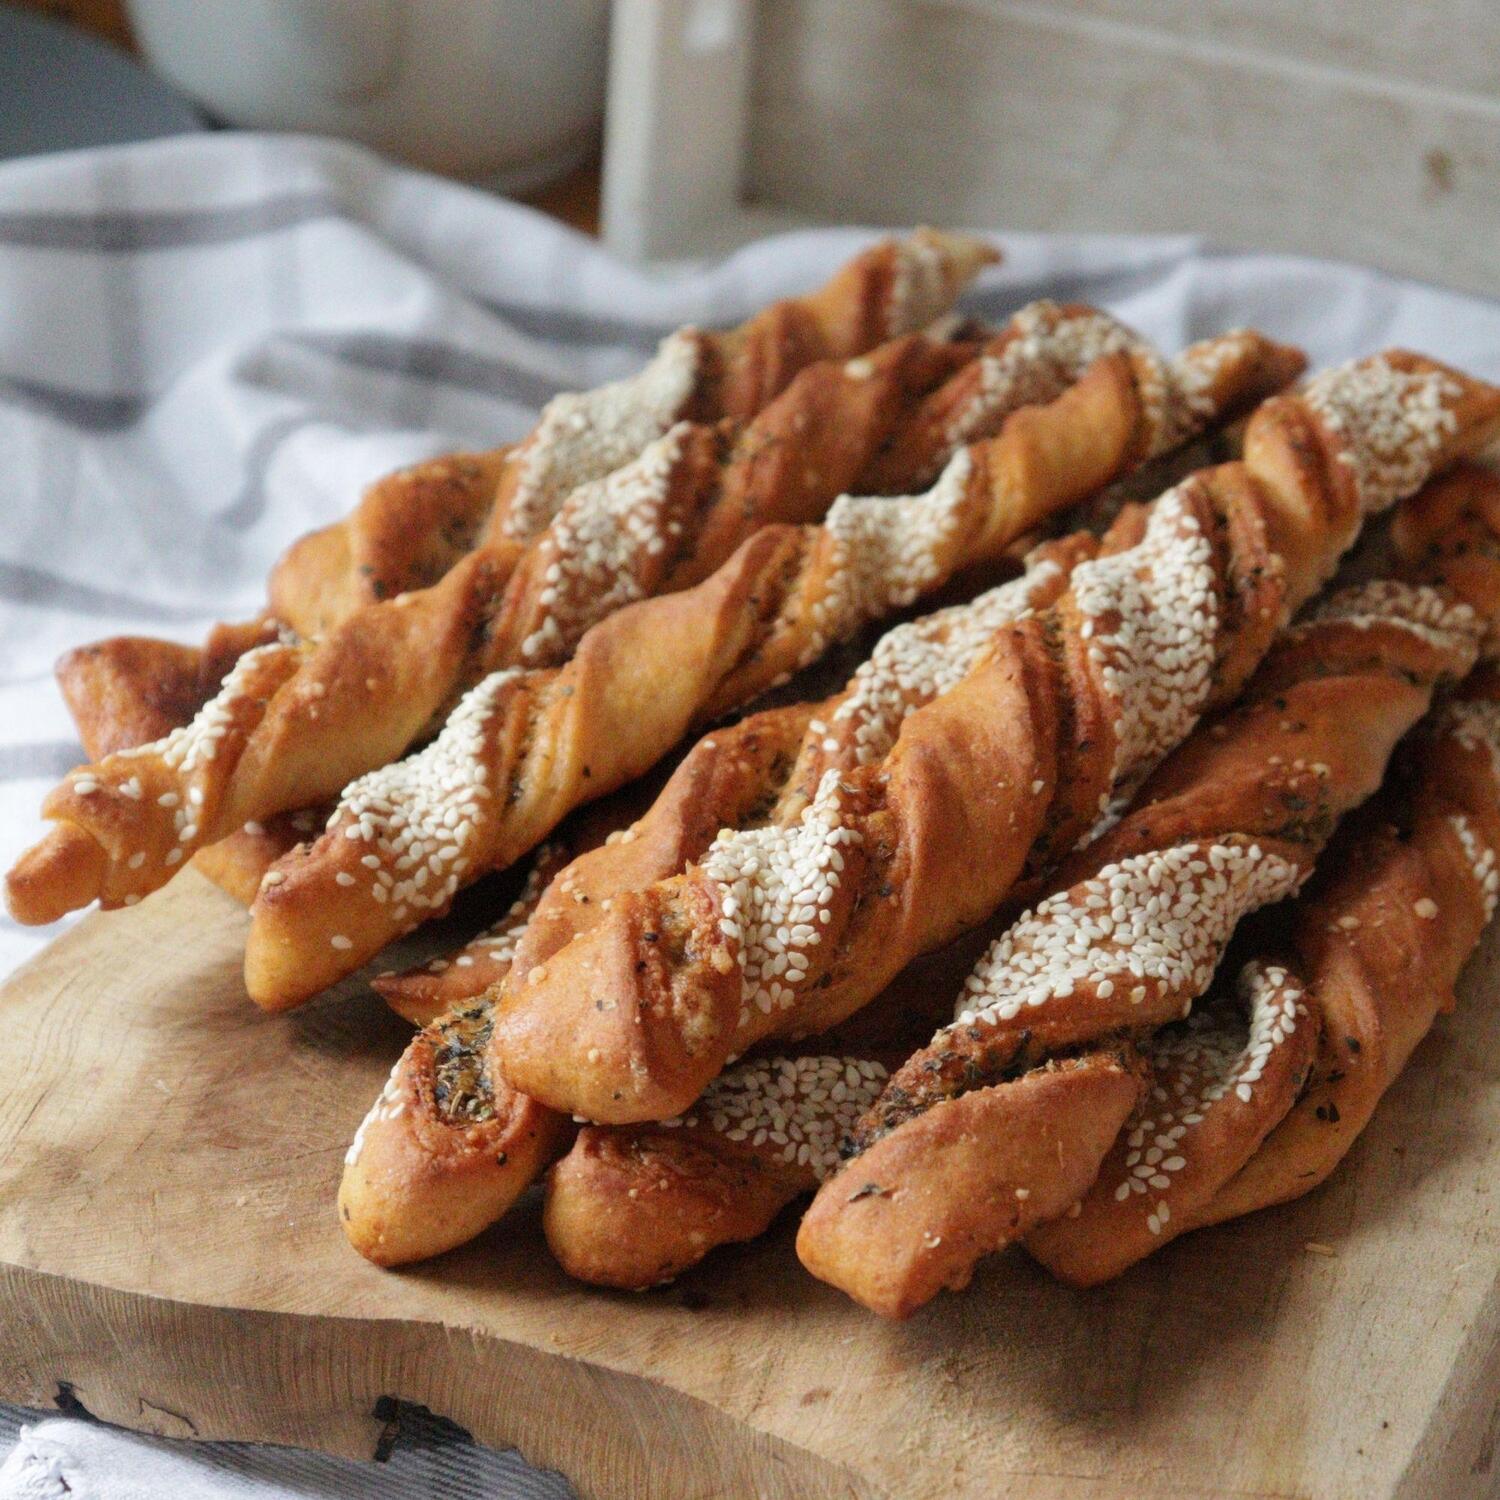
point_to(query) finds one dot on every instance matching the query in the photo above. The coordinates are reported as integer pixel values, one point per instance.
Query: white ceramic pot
(507, 91)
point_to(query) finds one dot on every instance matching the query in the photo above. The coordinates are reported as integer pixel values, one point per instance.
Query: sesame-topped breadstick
(423, 1178)
(1258, 1109)
(414, 525)
(634, 1206)
(1131, 937)
(785, 928)
(1375, 947)
(354, 701)
(406, 837)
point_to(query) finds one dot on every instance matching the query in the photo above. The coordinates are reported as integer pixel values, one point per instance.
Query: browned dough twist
(1375, 948)
(426, 1176)
(1233, 822)
(783, 930)
(404, 839)
(413, 526)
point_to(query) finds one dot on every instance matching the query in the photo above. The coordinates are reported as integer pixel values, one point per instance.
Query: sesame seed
(1390, 424)
(809, 1103)
(583, 437)
(1170, 927)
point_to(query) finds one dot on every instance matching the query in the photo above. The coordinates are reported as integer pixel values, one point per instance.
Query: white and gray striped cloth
(209, 344)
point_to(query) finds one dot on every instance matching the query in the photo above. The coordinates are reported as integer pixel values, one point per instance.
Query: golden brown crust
(411, 527)
(1378, 942)
(549, 739)
(1160, 1169)
(918, 1209)
(1007, 766)
(443, 1153)
(408, 529)
(238, 864)
(635, 1210)
(130, 690)
(386, 675)
(1258, 790)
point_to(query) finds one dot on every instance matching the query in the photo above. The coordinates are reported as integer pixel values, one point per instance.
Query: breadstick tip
(61, 873)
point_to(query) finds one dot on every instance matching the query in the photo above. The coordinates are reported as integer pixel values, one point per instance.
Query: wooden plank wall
(1364, 129)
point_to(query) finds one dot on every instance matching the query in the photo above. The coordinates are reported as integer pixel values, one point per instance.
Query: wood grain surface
(1368, 132)
(168, 1253)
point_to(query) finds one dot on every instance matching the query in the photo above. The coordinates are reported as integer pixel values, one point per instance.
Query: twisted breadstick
(1376, 947)
(237, 864)
(413, 526)
(405, 838)
(783, 930)
(130, 690)
(737, 771)
(322, 714)
(1232, 822)
(940, 1176)
(421, 1179)
(635, 1205)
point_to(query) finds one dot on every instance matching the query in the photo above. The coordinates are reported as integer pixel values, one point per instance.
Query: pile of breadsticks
(1098, 904)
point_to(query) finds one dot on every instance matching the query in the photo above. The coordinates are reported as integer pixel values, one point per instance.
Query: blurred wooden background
(1368, 131)
(1360, 129)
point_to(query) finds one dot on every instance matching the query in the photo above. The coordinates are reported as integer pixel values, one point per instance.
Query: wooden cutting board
(168, 1253)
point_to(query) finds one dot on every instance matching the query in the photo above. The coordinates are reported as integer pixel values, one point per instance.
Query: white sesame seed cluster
(885, 552)
(596, 544)
(583, 436)
(1211, 1055)
(921, 286)
(915, 663)
(187, 750)
(1435, 616)
(801, 1107)
(1481, 859)
(1052, 349)
(776, 886)
(389, 1106)
(420, 817)
(1156, 919)
(1392, 423)
(1150, 619)
(1475, 724)
(191, 746)
(1179, 394)
(1055, 349)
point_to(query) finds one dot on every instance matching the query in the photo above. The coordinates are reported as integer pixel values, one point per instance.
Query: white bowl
(506, 91)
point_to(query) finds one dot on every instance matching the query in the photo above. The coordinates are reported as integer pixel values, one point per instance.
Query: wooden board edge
(1459, 1454)
(185, 1370)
